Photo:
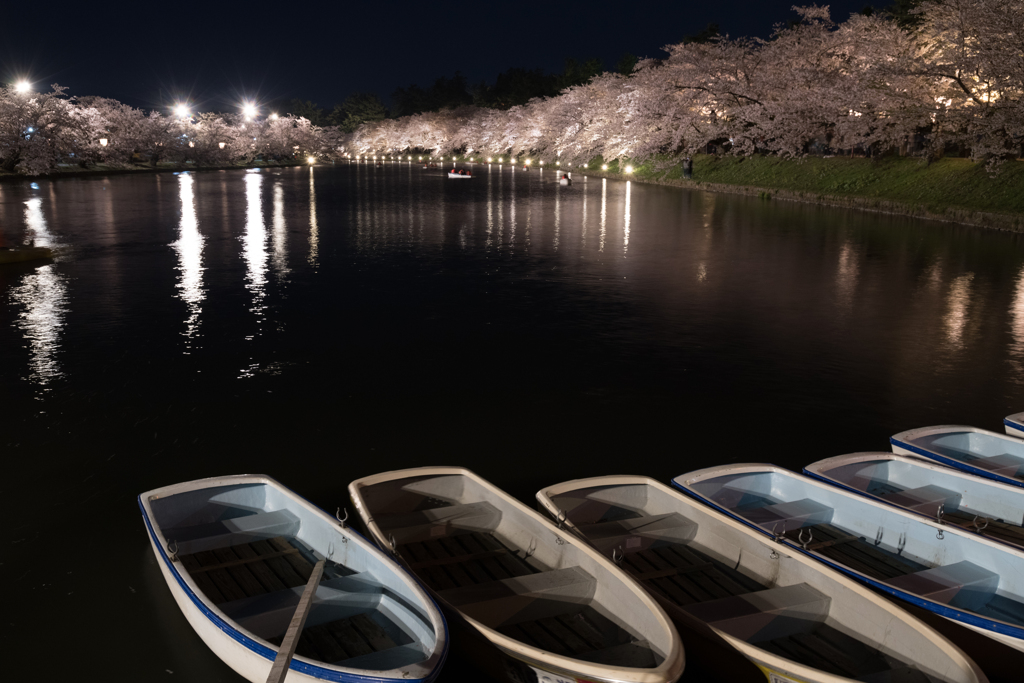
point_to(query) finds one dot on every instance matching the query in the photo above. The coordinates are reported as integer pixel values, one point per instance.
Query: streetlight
(629, 169)
(22, 86)
(273, 117)
(249, 111)
(181, 111)
(103, 142)
(221, 144)
(311, 160)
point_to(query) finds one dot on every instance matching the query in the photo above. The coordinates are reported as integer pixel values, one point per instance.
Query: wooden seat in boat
(233, 531)
(419, 525)
(790, 515)
(523, 598)
(924, 499)
(638, 532)
(765, 614)
(963, 584)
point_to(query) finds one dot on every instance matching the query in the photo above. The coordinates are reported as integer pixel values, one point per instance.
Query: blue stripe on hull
(262, 650)
(937, 608)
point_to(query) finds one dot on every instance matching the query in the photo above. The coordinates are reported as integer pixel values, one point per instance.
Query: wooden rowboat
(981, 506)
(237, 552)
(975, 582)
(540, 605)
(792, 617)
(986, 454)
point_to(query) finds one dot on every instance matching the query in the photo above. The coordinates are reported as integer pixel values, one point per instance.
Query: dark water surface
(319, 325)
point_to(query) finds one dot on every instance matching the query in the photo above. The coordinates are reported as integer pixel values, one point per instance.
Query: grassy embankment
(949, 189)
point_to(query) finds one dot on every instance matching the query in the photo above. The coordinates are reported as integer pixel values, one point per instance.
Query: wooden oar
(291, 638)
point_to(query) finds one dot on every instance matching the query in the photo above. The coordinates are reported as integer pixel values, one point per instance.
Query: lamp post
(103, 142)
(22, 86)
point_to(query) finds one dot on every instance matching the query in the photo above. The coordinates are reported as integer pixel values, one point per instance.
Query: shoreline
(962, 216)
(100, 170)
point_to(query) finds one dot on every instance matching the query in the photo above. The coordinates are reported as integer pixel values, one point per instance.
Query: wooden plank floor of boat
(248, 569)
(463, 559)
(1000, 531)
(855, 552)
(682, 576)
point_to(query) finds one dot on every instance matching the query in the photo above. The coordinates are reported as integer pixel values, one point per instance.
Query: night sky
(215, 54)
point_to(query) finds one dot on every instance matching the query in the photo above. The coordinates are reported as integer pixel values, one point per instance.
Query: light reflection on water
(254, 251)
(43, 298)
(190, 258)
(956, 317)
(314, 229)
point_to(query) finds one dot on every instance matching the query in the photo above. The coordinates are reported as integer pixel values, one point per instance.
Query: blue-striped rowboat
(236, 553)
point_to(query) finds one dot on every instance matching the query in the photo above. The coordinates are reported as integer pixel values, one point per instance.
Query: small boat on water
(1014, 425)
(726, 584)
(551, 608)
(972, 581)
(977, 451)
(242, 554)
(565, 180)
(455, 174)
(981, 506)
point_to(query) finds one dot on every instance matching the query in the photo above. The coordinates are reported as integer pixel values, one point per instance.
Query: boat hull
(506, 657)
(252, 657)
(1014, 425)
(859, 609)
(911, 442)
(893, 529)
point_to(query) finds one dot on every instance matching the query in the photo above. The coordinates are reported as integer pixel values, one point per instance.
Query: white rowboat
(237, 552)
(977, 451)
(794, 618)
(970, 580)
(981, 506)
(543, 606)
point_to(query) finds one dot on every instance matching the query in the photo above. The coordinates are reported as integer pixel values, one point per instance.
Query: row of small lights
(604, 167)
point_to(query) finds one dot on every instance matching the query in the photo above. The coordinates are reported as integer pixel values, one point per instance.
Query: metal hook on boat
(617, 555)
(776, 536)
(559, 541)
(773, 555)
(901, 544)
(172, 549)
(810, 537)
(337, 516)
(940, 535)
(938, 513)
(560, 518)
(878, 536)
(978, 528)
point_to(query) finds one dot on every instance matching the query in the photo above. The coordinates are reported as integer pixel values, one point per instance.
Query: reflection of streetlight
(22, 86)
